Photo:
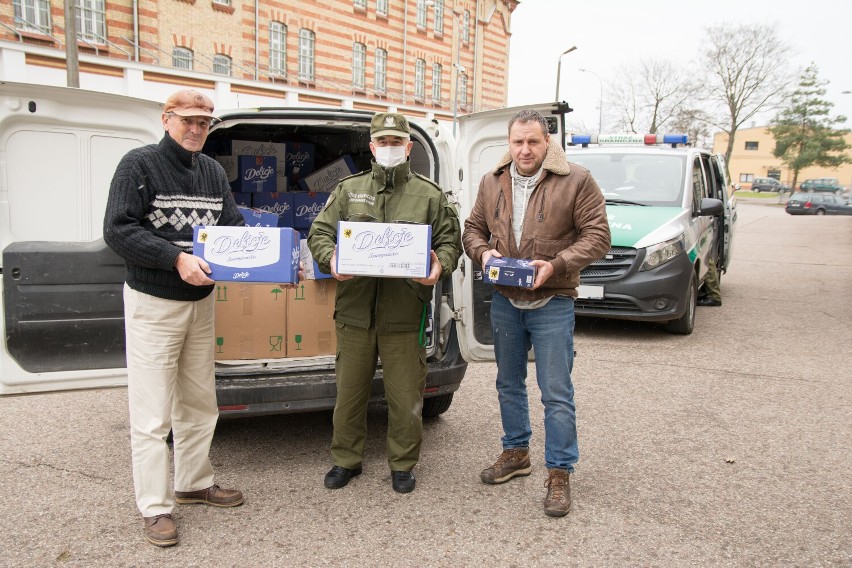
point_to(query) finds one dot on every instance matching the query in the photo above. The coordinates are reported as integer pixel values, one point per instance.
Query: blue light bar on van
(646, 139)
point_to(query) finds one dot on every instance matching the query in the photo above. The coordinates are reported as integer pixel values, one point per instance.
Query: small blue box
(509, 272)
(258, 218)
(256, 174)
(249, 254)
(306, 207)
(300, 160)
(280, 204)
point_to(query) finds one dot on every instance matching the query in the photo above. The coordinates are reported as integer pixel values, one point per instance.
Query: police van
(62, 309)
(669, 213)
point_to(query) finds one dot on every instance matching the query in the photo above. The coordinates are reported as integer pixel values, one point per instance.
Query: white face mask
(390, 156)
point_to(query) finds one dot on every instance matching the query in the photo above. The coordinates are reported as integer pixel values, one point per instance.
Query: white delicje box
(393, 250)
(249, 254)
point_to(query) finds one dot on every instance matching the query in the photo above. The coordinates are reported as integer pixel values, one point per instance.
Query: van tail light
(807, 204)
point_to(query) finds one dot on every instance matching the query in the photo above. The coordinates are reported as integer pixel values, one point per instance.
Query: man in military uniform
(383, 317)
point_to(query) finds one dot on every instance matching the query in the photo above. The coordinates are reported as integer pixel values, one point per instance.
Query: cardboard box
(310, 319)
(256, 148)
(249, 254)
(299, 161)
(312, 271)
(326, 178)
(251, 321)
(509, 272)
(306, 207)
(242, 199)
(229, 164)
(258, 218)
(256, 174)
(384, 249)
(281, 204)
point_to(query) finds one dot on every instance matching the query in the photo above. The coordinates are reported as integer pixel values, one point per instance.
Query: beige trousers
(170, 385)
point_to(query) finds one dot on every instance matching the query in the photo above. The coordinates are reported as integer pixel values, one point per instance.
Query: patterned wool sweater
(158, 194)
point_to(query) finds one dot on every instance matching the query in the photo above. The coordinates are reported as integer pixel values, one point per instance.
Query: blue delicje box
(306, 207)
(258, 218)
(249, 254)
(256, 174)
(281, 204)
(509, 272)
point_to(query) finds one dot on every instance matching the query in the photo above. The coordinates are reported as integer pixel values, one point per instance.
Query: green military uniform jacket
(392, 195)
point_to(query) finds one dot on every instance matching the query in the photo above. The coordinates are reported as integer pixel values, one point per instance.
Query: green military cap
(389, 124)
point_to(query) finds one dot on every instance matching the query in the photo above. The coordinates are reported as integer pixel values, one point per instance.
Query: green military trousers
(711, 281)
(404, 370)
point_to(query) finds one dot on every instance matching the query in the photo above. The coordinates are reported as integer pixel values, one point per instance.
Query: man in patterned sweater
(158, 193)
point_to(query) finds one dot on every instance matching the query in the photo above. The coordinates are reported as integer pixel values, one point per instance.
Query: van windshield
(644, 179)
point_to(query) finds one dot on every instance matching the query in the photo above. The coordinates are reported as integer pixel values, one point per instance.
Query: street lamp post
(600, 100)
(559, 68)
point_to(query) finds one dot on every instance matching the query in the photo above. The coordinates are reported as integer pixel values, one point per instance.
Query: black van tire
(686, 323)
(437, 405)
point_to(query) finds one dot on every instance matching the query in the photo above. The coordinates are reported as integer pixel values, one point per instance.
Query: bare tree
(747, 74)
(650, 96)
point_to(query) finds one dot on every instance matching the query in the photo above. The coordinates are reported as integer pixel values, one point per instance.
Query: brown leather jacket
(565, 223)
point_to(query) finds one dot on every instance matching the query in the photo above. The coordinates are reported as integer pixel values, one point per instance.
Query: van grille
(614, 265)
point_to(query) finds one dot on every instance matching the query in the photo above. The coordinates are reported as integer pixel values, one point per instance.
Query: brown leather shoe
(213, 495)
(512, 462)
(160, 530)
(557, 502)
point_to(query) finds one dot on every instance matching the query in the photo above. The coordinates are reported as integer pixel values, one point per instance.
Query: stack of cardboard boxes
(277, 184)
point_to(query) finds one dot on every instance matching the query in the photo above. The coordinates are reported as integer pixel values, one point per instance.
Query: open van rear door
(483, 140)
(62, 311)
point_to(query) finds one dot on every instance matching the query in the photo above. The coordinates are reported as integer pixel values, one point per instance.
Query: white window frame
(463, 90)
(382, 8)
(221, 64)
(278, 48)
(420, 79)
(183, 58)
(222, 2)
(360, 4)
(466, 28)
(421, 14)
(307, 40)
(439, 17)
(33, 15)
(437, 72)
(381, 80)
(91, 20)
(359, 66)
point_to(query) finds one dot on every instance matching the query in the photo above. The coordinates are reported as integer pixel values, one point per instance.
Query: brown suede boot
(557, 502)
(512, 462)
(160, 530)
(213, 495)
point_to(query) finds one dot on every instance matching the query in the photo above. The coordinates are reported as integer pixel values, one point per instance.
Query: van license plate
(590, 292)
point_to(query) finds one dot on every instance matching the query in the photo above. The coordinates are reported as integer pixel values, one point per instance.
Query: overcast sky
(609, 33)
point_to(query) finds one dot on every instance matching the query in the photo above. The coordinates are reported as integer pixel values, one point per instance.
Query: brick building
(428, 58)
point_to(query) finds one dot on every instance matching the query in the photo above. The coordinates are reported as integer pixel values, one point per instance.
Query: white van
(62, 310)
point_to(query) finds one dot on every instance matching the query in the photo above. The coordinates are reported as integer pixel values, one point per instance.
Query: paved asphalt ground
(729, 447)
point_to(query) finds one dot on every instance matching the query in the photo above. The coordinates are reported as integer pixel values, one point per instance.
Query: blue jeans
(550, 331)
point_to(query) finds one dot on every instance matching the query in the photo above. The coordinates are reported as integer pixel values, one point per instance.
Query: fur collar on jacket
(554, 160)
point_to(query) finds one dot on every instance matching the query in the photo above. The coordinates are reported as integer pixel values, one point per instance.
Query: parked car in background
(768, 184)
(828, 185)
(817, 204)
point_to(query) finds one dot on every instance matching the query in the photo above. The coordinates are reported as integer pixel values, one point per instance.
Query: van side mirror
(710, 206)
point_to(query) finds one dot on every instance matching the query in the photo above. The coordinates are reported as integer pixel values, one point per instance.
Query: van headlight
(661, 253)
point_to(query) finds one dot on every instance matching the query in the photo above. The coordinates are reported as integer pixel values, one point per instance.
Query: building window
(33, 15)
(91, 22)
(466, 26)
(421, 14)
(221, 64)
(436, 82)
(381, 70)
(382, 8)
(306, 54)
(222, 2)
(360, 4)
(420, 79)
(746, 178)
(182, 58)
(359, 66)
(463, 90)
(278, 48)
(439, 17)
(751, 145)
